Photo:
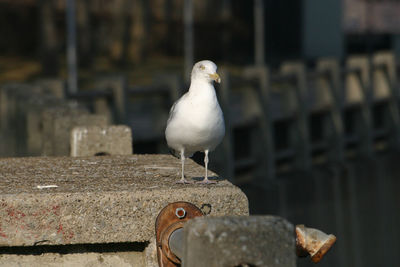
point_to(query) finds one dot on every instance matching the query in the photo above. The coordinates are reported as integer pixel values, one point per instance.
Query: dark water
(358, 201)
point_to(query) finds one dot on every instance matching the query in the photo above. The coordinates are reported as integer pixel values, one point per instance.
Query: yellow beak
(215, 77)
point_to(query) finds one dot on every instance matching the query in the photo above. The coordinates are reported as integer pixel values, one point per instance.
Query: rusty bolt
(180, 213)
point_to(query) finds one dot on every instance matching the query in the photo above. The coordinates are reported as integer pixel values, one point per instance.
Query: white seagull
(196, 122)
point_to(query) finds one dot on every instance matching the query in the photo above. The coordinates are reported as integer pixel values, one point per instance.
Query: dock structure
(288, 129)
(111, 200)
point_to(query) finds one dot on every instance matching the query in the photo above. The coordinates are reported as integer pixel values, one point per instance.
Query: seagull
(196, 122)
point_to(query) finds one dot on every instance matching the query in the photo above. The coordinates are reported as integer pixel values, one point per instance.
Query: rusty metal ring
(166, 223)
(165, 240)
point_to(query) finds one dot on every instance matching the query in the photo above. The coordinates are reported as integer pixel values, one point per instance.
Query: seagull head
(205, 70)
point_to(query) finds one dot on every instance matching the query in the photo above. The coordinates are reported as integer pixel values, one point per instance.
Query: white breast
(197, 123)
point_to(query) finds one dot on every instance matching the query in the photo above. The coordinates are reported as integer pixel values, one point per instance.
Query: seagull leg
(205, 180)
(183, 180)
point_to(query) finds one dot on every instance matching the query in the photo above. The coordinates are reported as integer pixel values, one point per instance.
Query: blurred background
(309, 92)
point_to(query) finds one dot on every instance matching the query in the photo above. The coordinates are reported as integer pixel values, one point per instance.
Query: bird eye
(202, 67)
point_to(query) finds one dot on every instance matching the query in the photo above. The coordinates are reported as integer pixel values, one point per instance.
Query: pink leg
(183, 180)
(205, 180)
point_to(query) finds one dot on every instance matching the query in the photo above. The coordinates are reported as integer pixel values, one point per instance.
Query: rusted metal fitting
(180, 213)
(170, 219)
(313, 242)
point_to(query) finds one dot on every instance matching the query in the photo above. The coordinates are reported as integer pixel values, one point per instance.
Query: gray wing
(172, 112)
(173, 109)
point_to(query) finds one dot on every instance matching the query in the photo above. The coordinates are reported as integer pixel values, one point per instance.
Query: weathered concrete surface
(100, 199)
(120, 259)
(108, 140)
(233, 241)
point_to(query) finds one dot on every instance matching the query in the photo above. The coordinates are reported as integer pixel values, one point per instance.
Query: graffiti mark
(33, 223)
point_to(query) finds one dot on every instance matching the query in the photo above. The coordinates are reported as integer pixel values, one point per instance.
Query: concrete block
(266, 150)
(120, 259)
(331, 85)
(358, 92)
(9, 93)
(63, 126)
(236, 241)
(385, 86)
(29, 125)
(53, 87)
(118, 86)
(49, 116)
(101, 106)
(284, 89)
(14, 98)
(323, 91)
(383, 74)
(301, 142)
(3, 107)
(332, 67)
(356, 83)
(58, 123)
(34, 124)
(110, 199)
(298, 71)
(96, 140)
(227, 142)
(7, 144)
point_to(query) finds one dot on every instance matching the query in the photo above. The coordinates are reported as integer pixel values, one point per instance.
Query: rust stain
(70, 235)
(15, 214)
(56, 210)
(41, 212)
(2, 234)
(67, 235)
(60, 229)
